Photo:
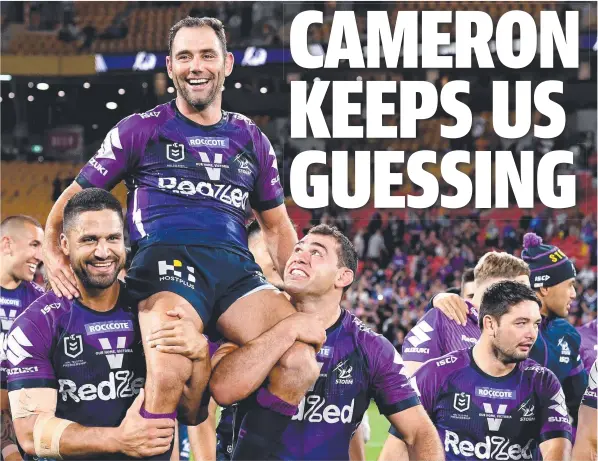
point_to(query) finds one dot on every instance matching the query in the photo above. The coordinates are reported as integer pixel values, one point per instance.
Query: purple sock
(147, 415)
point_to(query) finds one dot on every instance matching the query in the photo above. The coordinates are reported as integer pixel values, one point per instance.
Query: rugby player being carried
(76, 370)
(21, 238)
(355, 364)
(191, 169)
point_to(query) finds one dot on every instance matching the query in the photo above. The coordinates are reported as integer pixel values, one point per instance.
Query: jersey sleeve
(114, 158)
(589, 397)
(424, 340)
(28, 355)
(426, 384)
(267, 192)
(554, 416)
(390, 385)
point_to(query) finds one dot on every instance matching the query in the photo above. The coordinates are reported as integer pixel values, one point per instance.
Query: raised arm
(58, 268)
(279, 235)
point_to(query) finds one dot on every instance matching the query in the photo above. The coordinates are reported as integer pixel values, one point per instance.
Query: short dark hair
(17, 220)
(500, 297)
(215, 24)
(468, 276)
(347, 256)
(92, 199)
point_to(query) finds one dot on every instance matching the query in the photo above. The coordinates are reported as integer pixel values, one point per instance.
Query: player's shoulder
(35, 289)
(355, 327)
(448, 364)
(535, 373)
(45, 311)
(241, 121)
(149, 120)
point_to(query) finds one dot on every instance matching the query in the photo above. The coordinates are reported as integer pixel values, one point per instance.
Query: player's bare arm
(58, 268)
(180, 336)
(241, 371)
(42, 434)
(279, 234)
(586, 439)
(419, 434)
(10, 451)
(558, 449)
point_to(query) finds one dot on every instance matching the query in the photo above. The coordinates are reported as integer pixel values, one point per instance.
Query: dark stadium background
(72, 70)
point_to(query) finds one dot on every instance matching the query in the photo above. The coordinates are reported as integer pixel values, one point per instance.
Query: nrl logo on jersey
(462, 402)
(344, 373)
(175, 152)
(73, 346)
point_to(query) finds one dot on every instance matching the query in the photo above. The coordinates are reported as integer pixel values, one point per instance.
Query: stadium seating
(27, 187)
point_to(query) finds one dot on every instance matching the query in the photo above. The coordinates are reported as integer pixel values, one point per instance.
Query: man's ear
(229, 62)
(6, 245)
(64, 244)
(344, 278)
(169, 66)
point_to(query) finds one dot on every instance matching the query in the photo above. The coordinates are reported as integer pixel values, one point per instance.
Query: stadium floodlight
(170, 90)
(43, 86)
(263, 90)
(30, 85)
(61, 94)
(359, 78)
(11, 95)
(111, 105)
(86, 85)
(5, 78)
(316, 79)
(238, 85)
(30, 98)
(121, 91)
(95, 126)
(144, 85)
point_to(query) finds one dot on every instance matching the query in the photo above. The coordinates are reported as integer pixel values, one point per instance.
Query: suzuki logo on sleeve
(73, 346)
(462, 402)
(175, 152)
(114, 360)
(420, 333)
(14, 346)
(494, 423)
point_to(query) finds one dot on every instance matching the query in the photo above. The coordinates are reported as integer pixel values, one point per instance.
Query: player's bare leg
(166, 373)
(288, 381)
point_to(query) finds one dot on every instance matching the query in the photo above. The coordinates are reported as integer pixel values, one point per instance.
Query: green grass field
(379, 425)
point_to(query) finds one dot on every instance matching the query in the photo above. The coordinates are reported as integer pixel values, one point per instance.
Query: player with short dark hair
(492, 401)
(88, 351)
(191, 169)
(356, 364)
(21, 238)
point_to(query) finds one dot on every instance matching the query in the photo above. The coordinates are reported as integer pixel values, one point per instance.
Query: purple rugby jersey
(356, 366)
(12, 304)
(186, 182)
(484, 417)
(589, 344)
(435, 335)
(589, 397)
(94, 359)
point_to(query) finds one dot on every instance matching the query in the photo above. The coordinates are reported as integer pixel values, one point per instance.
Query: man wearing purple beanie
(558, 344)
